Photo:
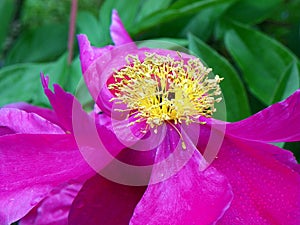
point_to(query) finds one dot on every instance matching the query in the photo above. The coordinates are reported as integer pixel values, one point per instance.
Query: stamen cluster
(163, 89)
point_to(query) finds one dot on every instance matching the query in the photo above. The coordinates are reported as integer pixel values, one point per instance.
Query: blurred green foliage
(253, 44)
(38, 13)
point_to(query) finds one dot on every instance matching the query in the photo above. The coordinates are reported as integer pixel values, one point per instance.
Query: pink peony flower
(160, 157)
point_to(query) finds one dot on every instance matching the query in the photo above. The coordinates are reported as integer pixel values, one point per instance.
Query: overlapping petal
(265, 189)
(95, 134)
(101, 201)
(32, 165)
(97, 72)
(95, 139)
(62, 103)
(277, 123)
(190, 195)
(89, 54)
(20, 121)
(55, 208)
(47, 114)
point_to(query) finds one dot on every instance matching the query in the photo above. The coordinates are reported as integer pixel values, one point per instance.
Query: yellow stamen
(161, 88)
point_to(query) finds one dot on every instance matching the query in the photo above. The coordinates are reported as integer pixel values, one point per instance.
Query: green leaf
(43, 44)
(289, 83)
(293, 37)
(278, 144)
(73, 75)
(176, 44)
(252, 11)
(6, 15)
(263, 61)
(89, 25)
(202, 25)
(236, 101)
(150, 6)
(84, 97)
(127, 11)
(175, 11)
(21, 82)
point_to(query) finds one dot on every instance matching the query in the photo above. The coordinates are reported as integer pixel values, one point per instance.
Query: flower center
(163, 89)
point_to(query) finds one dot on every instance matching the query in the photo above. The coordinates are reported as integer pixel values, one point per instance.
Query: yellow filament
(160, 89)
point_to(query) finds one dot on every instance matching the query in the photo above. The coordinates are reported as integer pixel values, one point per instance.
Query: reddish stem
(72, 30)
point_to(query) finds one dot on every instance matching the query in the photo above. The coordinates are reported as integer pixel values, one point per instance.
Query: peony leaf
(290, 82)
(88, 24)
(150, 6)
(175, 11)
(6, 15)
(252, 11)
(203, 24)
(42, 44)
(21, 82)
(263, 61)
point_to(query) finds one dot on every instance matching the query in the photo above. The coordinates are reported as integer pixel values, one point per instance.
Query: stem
(72, 30)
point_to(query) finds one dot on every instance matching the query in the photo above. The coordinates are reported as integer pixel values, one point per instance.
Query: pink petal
(100, 69)
(62, 103)
(101, 201)
(277, 123)
(43, 112)
(266, 191)
(55, 208)
(31, 165)
(95, 137)
(98, 138)
(101, 143)
(89, 54)
(189, 196)
(97, 143)
(283, 156)
(20, 121)
(118, 32)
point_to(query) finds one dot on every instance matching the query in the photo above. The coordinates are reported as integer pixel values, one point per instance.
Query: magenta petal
(190, 196)
(43, 112)
(55, 208)
(31, 165)
(89, 54)
(277, 123)
(266, 191)
(97, 143)
(118, 32)
(103, 202)
(101, 69)
(281, 155)
(62, 103)
(20, 121)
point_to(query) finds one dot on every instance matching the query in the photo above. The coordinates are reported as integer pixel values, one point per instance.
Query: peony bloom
(159, 156)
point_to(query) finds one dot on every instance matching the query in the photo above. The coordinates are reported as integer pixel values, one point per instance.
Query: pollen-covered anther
(162, 89)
